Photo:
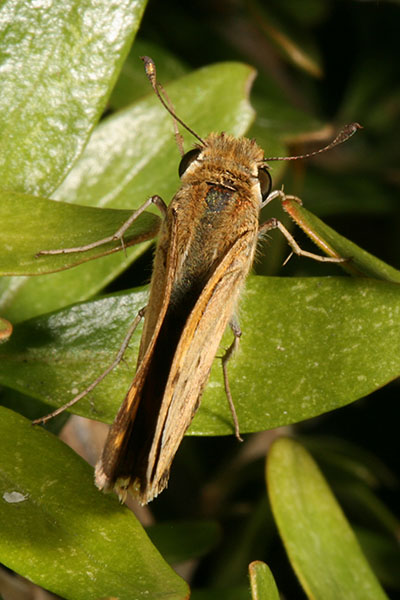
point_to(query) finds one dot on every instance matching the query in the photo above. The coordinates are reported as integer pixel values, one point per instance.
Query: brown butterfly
(205, 250)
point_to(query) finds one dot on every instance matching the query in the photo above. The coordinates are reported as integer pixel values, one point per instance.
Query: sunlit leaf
(67, 226)
(59, 531)
(309, 345)
(59, 63)
(131, 156)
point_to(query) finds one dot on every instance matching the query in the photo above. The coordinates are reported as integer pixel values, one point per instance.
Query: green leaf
(60, 532)
(321, 546)
(360, 262)
(262, 583)
(309, 345)
(132, 156)
(60, 61)
(78, 342)
(77, 225)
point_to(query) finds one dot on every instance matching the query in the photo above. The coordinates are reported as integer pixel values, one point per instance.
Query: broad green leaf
(59, 531)
(76, 225)
(132, 156)
(135, 151)
(309, 345)
(81, 340)
(321, 546)
(360, 262)
(262, 583)
(184, 540)
(60, 61)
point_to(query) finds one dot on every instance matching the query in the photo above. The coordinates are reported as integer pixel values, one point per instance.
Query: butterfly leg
(275, 224)
(118, 235)
(234, 325)
(100, 378)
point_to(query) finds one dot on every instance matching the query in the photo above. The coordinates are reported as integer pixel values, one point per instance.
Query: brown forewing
(194, 357)
(115, 450)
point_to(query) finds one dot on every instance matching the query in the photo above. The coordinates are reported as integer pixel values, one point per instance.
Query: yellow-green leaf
(59, 531)
(321, 546)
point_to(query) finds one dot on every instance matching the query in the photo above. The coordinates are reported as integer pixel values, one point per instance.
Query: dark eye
(265, 181)
(187, 159)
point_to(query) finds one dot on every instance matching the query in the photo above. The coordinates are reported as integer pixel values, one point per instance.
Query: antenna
(150, 69)
(342, 136)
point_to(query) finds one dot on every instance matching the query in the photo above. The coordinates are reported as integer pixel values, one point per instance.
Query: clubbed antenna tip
(343, 135)
(150, 69)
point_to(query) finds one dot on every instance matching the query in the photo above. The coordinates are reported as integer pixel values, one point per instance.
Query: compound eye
(265, 180)
(187, 160)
